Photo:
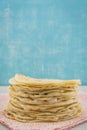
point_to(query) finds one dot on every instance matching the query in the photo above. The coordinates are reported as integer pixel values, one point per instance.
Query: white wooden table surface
(80, 127)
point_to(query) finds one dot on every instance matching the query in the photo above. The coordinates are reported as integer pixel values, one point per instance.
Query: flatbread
(42, 100)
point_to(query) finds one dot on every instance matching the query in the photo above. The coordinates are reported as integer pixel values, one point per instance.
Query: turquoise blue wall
(43, 38)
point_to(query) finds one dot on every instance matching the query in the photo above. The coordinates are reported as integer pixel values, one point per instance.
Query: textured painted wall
(43, 38)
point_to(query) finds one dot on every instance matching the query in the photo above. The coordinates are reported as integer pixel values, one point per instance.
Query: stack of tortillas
(42, 100)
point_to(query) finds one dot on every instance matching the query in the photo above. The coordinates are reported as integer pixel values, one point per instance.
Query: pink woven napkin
(65, 125)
